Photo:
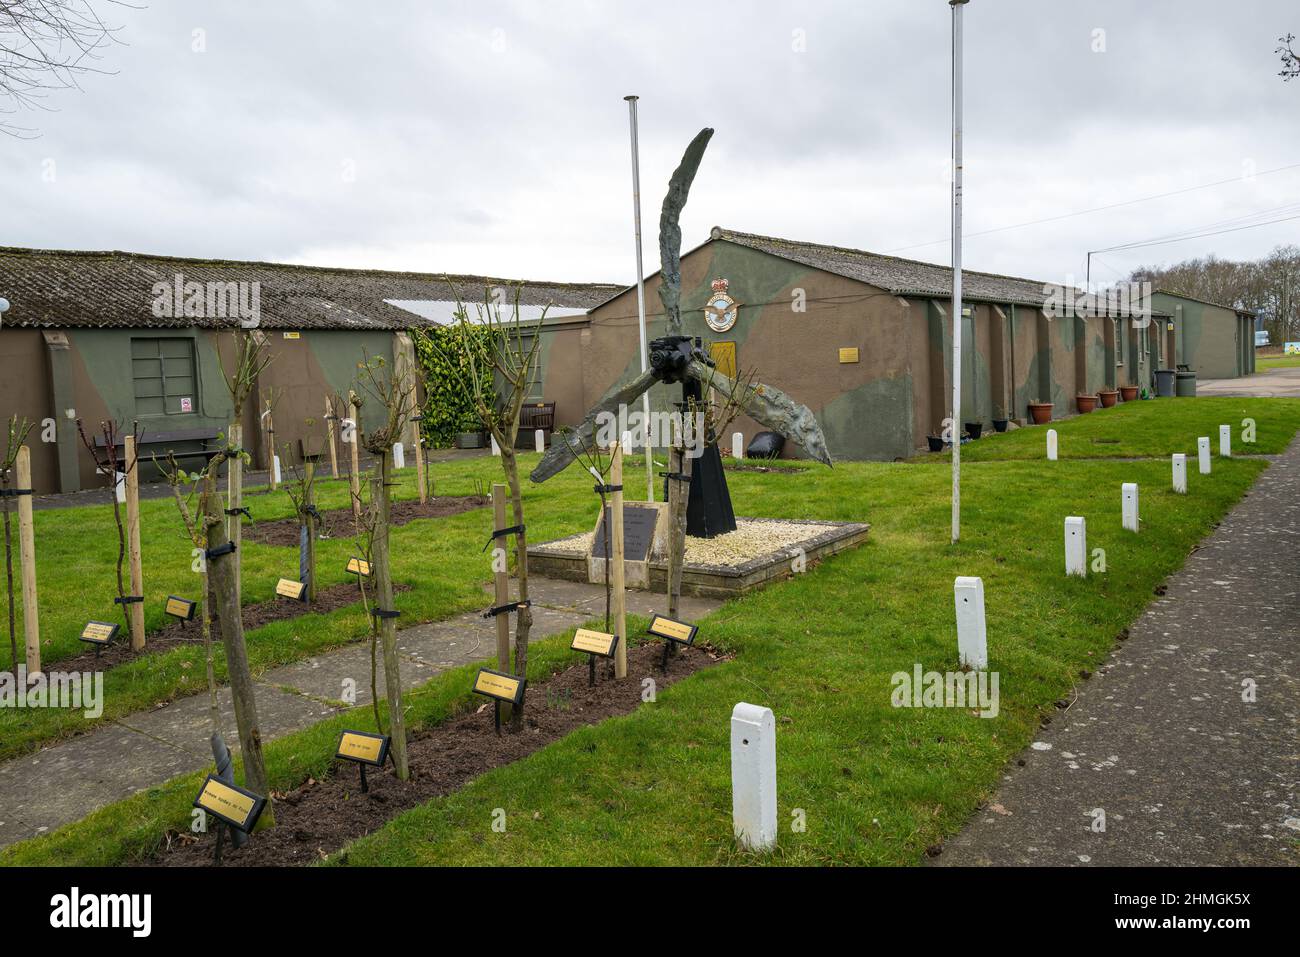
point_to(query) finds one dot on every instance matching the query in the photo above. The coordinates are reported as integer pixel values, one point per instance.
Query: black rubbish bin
(1166, 387)
(1186, 384)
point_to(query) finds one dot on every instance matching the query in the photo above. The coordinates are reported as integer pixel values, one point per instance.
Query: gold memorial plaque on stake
(594, 642)
(679, 631)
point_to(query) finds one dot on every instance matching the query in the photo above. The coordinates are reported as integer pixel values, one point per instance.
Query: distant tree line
(1269, 287)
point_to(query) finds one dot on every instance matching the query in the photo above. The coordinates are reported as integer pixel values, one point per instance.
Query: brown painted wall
(24, 392)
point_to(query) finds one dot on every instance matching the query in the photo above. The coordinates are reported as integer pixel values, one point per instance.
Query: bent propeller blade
(562, 452)
(771, 407)
(670, 231)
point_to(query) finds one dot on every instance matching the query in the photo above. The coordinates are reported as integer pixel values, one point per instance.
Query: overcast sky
(491, 137)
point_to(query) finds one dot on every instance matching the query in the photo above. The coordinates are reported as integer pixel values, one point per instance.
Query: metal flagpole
(640, 295)
(956, 267)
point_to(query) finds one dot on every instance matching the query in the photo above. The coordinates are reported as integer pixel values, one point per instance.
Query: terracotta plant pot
(1086, 403)
(999, 425)
(1108, 397)
(1040, 412)
(935, 442)
(1128, 392)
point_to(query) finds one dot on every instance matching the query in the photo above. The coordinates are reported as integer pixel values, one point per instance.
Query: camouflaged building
(865, 341)
(124, 335)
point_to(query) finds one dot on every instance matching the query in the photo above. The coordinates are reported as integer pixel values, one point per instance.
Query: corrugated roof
(73, 289)
(1240, 310)
(902, 277)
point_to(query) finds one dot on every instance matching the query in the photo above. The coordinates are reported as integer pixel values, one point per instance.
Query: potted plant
(1040, 412)
(935, 442)
(1086, 403)
(1128, 392)
(469, 433)
(1108, 397)
(1000, 419)
(973, 429)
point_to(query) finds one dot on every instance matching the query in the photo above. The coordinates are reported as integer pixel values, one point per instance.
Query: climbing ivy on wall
(448, 404)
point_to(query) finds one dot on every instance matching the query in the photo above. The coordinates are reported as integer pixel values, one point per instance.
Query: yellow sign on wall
(849, 354)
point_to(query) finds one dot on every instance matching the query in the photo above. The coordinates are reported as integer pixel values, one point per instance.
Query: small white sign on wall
(187, 404)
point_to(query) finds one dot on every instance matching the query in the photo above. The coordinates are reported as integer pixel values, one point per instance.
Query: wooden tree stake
(387, 625)
(501, 578)
(329, 431)
(308, 503)
(135, 609)
(355, 444)
(616, 571)
(223, 574)
(27, 557)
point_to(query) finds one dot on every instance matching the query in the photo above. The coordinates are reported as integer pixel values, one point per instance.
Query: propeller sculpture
(679, 358)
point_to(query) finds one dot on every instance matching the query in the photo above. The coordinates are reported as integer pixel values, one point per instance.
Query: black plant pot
(935, 442)
(999, 425)
(973, 429)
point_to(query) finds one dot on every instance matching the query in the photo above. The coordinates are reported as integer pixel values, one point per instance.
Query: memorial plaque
(181, 608)
(291, 589)
(99, 632)
(502, 687)
(237, 807)
(363, 747)
(679, 631)
(594, 642)
(359, 566)
(638, 532)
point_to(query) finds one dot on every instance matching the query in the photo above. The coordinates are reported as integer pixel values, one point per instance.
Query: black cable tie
(603, 489)
(240, 511)
(311, 510)
(502, 533)
(14, 492)
(129, 600)
(226, 549)
(506, 609)
(384, 613)
(675, 476)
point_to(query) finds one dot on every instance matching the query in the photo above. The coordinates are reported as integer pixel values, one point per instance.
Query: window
(1120, 334)
(163, 374)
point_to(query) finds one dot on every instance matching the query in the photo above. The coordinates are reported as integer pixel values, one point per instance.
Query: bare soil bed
(191, 632)
(321, 817)
(285, 531)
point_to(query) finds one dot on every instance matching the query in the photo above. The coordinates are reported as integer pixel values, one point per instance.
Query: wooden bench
(534, 416)
(160, 443)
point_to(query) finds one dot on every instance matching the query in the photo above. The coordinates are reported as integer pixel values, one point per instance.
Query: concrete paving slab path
(1165, 740)
(69, 779)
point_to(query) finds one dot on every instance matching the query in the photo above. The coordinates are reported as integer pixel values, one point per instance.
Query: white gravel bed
(749, 541)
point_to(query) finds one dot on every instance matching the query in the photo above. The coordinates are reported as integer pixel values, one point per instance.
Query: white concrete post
(1051, 445)
(1129, 497)
(1203, 451)
(539, 440)
(972, 633)
(737, 445)
(753, 776)
(1225, 441)
(496, 449)
(1076, 546)
(275, 469)
(1180, 473)
(399, 455)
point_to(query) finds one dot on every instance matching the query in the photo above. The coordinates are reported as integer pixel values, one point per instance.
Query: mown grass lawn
(1153, 427)
(76, 551)
(1277, 362)
(875, 784)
